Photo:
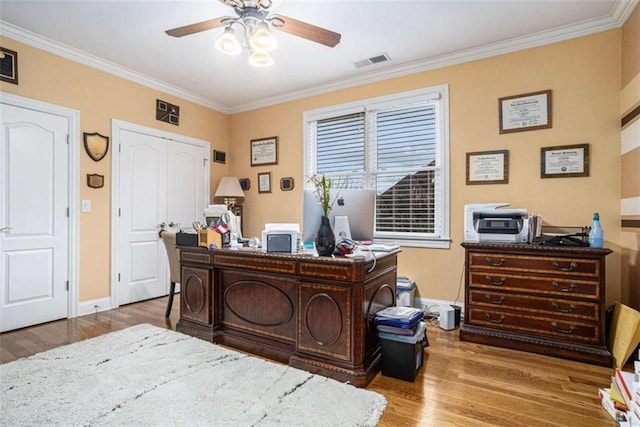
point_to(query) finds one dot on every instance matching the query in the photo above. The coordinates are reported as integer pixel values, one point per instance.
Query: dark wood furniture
(314, 313)
(547, 300)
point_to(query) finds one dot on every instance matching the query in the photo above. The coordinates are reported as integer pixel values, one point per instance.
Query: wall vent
(383, 57)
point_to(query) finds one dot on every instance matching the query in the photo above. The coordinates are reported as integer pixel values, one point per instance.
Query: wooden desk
(314, 313)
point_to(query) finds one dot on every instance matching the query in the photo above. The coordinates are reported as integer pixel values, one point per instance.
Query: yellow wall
(584, 75)
(100, 97)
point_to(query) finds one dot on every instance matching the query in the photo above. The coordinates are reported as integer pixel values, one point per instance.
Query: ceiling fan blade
(197, 27)
(305, 30)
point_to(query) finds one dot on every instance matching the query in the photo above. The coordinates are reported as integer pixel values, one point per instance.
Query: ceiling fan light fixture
(260, 58)
(228, 43)
(262, 38)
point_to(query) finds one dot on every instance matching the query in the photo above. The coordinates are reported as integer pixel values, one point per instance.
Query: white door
(34, 243)
(161, 181)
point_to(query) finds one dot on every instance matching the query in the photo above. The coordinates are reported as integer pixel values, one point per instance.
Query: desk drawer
(564, 266)
(534, 304)
(549, 326)
(569, 288)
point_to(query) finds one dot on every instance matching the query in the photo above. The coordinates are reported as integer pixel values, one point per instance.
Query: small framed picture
(245, 183)
(264, 151)
(219, 156)
(564, 161)
(8, 66)
(264, 182)
(286, 184)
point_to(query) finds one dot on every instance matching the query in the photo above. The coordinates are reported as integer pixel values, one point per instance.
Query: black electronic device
(277, 242)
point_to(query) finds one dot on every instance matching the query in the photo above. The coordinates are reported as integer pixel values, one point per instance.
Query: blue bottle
(596, 235)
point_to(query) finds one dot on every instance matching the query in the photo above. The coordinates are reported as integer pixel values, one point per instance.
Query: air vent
(373, 60)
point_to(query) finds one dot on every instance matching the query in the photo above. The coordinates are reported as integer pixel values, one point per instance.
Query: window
(397, 145)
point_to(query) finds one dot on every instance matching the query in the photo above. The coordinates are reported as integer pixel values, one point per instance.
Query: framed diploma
(264, 182)
(564, 161)
(530, 111)
(488, 167)
(264, 151)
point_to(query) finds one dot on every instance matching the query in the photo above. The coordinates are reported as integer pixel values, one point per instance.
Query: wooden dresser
(547, 300)
(314, 313)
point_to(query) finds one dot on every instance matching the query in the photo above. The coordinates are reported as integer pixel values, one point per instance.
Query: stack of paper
(622, 399)
(398, 317)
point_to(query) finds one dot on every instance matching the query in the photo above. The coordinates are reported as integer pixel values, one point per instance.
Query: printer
(484, 222)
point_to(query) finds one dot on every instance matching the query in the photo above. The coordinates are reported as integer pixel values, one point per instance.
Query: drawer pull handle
(571, 266)
(563, 310)
(571, 287)
(495, 282)
(495, 264)
(495, 301)
(563, 331)
(500, 320)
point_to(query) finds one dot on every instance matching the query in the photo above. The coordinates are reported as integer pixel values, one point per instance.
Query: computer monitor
(357, 205)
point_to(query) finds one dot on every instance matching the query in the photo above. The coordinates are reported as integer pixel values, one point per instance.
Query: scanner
(484, 222)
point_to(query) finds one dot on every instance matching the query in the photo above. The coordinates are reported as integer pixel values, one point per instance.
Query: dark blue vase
(325, 239)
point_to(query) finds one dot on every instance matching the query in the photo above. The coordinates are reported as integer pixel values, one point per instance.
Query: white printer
(484, 222)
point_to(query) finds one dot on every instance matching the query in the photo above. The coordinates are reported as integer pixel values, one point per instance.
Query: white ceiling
(127, 38)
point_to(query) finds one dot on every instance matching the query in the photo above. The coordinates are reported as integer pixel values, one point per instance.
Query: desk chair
(173, 254)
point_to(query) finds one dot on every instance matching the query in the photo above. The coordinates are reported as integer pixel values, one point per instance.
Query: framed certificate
(264, 151)
(530, 111)
(564, 161)
(264, 182)
(488, 167)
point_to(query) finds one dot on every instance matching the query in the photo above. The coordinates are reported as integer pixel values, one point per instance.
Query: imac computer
(357, 205)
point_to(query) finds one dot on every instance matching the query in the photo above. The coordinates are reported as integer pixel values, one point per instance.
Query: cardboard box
(207, 237)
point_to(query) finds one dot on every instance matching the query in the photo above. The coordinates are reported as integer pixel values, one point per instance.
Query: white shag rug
(149, 376)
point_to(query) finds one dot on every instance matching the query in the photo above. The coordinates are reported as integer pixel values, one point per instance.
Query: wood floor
(460, 384)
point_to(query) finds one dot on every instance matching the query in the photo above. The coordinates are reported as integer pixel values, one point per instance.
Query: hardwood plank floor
(460, 384)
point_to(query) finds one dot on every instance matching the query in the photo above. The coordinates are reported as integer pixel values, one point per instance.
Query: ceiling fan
(254, 18)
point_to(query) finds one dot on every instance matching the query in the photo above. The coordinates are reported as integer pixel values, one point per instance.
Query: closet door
(161, 181)
(143, 272)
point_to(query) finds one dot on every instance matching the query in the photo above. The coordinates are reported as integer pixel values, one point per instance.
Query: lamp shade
(229, 187)
(262, 38)
(228, 43)
(260, 58)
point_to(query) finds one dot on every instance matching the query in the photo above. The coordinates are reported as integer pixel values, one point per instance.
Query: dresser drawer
(548, 326)
(542, 285)
(535, 305)
(579, 267)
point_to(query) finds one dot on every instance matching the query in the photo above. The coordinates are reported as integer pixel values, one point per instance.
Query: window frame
(440, 94)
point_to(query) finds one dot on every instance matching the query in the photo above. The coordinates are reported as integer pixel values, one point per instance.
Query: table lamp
(229, 188)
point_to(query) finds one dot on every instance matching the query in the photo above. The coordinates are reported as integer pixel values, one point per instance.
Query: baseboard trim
(435, 304)
(94, 306)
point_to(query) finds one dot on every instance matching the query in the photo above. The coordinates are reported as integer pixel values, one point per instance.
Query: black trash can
(402, 355)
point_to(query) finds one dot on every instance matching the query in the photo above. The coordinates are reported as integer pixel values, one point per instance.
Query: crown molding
(21, 35)
(620, 13)
(618, 16)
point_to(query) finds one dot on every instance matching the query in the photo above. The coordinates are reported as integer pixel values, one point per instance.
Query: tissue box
(186, 239)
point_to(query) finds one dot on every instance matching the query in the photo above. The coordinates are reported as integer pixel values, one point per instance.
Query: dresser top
(526, 247)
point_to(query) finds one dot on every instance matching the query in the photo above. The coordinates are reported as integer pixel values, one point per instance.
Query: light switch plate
(86, 206)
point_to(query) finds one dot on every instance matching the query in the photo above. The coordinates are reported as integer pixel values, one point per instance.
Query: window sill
(424, 243)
